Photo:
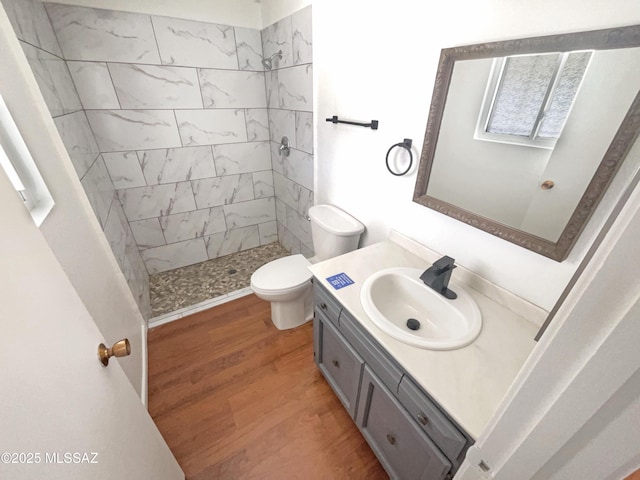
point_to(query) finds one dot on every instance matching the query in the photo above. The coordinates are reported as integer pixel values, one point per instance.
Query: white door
(62, 414)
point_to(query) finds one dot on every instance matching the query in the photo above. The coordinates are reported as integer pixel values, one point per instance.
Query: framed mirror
(524, 136)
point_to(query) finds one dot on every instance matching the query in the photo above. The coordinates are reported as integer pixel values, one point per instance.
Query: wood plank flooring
(634, 476)
(236, 398)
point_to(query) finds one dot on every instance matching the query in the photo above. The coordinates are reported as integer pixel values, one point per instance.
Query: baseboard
(144, 388)
(198, 307)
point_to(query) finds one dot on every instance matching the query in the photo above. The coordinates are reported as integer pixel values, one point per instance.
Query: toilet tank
(334, 232)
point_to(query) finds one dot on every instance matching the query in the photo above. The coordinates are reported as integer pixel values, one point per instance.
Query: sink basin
(393, 296)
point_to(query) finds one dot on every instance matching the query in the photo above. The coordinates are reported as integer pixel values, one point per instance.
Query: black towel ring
(404, 144)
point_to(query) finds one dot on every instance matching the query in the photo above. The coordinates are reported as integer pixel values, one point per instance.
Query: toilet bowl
(286, 282)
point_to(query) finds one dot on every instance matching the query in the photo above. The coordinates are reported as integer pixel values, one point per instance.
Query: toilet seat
(282, 275)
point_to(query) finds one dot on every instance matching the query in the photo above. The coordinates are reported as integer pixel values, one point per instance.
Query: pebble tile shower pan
(186, 286)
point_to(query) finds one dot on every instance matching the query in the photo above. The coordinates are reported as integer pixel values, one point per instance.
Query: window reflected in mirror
(529, 97)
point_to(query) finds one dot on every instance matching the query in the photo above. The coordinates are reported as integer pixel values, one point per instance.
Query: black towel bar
(373, 124)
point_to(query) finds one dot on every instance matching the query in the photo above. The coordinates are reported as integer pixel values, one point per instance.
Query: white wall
(378, 61)
(71, 229)
(239, 13)
(274, 10)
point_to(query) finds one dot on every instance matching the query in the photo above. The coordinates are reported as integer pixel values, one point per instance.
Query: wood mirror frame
(623, 140)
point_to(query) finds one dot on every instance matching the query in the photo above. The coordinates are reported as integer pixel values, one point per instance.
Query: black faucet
(437, 276)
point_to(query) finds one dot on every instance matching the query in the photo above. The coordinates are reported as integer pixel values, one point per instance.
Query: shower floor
(186, 286)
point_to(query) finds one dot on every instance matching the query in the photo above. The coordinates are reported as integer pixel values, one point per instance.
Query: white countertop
(469, 382)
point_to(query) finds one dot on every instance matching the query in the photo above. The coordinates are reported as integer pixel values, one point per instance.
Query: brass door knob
(121, 348)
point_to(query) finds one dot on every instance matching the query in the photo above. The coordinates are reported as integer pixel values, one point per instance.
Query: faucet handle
(444, 264)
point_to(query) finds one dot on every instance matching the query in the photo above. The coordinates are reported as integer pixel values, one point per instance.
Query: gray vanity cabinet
(409, 433)
(340, 364)
(402, 448)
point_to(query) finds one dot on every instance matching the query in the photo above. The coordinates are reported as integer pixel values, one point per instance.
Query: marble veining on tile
(78, 139)
(193, 284)
(299, 226)
(93, 82)
(232, 89)
(282, 123)
(124, 169)
(232, 241)
(174, 255)
(271, 85)
(188, 225)
(257, 124)
(252, 212)
(152, 86)
(118, 130)
(176, 164)
(103, 35)
(298, 166)
(99, 189)
(212, 192)
(158, 200)
(191, 43)
(304, 131)
(242, 157)
(30, 22)
(263, 184)
(148, 233)
(276, 37)
(268, 232)
(301, 33)
(211, 127)
(292, 194)
(295, 87)
(54, 80)
(249, 47)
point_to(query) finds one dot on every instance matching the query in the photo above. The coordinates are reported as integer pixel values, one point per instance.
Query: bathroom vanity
(418, 409)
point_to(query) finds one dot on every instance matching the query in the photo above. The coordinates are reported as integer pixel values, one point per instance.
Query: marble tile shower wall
(179, 113)
(290, 101)
(181, 121)
(33, 28)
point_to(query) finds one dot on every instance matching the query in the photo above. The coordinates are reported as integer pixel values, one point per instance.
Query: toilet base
(292, 314)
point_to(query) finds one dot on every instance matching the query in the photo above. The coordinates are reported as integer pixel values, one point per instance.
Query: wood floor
(236, 398)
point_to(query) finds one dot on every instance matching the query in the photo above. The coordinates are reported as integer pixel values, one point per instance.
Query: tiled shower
(173, 127)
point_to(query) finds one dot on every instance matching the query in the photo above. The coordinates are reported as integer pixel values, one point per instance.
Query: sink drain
(413, 324)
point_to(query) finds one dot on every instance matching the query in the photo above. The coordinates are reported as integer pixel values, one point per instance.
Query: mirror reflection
(518, 131)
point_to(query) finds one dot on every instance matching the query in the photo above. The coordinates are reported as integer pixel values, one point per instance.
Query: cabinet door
(402, 448)
(432, 421)
(339, 363)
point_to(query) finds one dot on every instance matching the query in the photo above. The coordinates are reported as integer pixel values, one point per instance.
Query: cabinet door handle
(323, 306)
(336, 363)
(391, 439)
(422, 419)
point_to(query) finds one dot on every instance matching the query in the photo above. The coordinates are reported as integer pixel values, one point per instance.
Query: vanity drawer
(339, 363)
(325, 303)
(402, 448)
(385, 368)
(431, 419)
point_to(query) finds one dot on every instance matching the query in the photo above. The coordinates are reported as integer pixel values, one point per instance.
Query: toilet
(286, 282)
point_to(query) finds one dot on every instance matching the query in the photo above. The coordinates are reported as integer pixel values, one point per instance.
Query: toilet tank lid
(335, 221)
(283, 273)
